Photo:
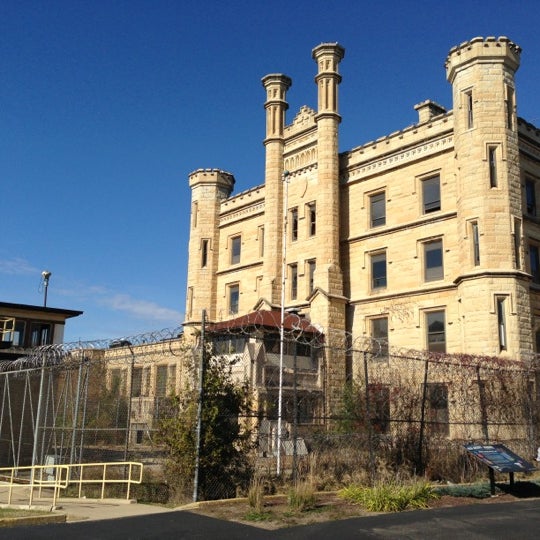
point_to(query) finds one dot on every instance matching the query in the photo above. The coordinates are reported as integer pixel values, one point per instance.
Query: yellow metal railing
(57, 477)
(98, 474)
(29, 478)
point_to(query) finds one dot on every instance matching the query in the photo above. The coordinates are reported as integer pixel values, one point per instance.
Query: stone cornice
(398, 159)
(242, 213)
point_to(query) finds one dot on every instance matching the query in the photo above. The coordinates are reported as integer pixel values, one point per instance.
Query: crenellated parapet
(488, 49)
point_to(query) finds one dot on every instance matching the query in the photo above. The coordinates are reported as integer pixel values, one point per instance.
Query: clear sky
(107, 106)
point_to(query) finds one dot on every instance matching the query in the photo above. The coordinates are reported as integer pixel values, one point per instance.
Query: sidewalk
(96, 509)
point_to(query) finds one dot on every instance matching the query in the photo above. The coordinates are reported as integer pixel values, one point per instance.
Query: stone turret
(276, 90)
(491, 278)
(209, 187)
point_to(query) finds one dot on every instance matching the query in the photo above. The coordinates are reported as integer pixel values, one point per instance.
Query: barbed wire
(153, 346)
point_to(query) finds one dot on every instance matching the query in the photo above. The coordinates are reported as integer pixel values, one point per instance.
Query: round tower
(209, 187)
(489, 205)
(276, 86)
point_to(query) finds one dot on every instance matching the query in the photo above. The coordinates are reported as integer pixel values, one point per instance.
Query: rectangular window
(379, 332)
(378, 271)
(311, 275)
(15, 334)
(431, 194)
(294, 224)
(236, 247)
(261, 240)
(534, 263)
(204, 252)
(530, 196)
(312, 218)
(433, 261)
(509, 102)
(379, 401)
(171, 387)
(377, 209)
(437, 409)
(517, 242)
(194, 213)
(161, 381)
(40, 334)
(436, 334)
(234, 299)
(492, 158)
(137, 382)
(293, 275)
(501, 322)
(476, 243)
(469, 108)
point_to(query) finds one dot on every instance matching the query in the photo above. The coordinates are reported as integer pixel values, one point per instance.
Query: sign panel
(499, 458)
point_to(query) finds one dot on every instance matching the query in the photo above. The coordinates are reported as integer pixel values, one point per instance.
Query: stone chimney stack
(276, 85)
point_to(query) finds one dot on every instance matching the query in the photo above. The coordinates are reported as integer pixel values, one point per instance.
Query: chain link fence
(398, 413)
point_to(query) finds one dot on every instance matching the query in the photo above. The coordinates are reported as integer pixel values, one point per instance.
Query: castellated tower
(489, 203)
(276, 90)
(209, 187)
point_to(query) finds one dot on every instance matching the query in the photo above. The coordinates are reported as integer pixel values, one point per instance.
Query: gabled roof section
(265, 319)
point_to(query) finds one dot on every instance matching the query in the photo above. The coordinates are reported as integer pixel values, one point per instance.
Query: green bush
(391, 497)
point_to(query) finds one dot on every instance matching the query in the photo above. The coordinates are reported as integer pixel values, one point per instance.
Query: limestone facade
(428, 237)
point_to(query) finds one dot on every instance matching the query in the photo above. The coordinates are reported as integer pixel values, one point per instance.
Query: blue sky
(107, 106)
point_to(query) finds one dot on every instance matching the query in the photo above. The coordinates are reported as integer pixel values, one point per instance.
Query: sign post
(499, 458)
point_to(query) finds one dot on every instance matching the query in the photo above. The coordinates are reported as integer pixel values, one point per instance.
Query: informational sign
(499, 458)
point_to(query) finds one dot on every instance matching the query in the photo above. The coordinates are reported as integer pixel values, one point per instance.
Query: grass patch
(258, 516)
(17, 512)
(390, 497)
(476, 491)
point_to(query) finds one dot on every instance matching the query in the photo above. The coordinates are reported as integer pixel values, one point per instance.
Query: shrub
(302, 497)
(256, 494)
(390, 497)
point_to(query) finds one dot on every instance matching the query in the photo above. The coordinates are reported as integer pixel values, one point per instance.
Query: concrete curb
(32, 520)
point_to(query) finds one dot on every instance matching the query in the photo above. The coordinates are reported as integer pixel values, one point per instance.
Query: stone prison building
(427, 238)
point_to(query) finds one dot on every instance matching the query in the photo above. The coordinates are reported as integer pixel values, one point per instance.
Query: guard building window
(433, 261)
(40, 334)
(378, 270)
(377, 208)
(431, 194)
(436, 334)
(236, 248)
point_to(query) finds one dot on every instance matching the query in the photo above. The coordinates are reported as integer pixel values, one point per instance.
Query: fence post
(198, 434)
(419, 464)
(368, 422)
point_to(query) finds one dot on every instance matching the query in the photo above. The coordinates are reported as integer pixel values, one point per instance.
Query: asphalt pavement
(519, 520)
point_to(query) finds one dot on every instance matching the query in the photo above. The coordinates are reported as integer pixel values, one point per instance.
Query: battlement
(222, 179)
(479, 48)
